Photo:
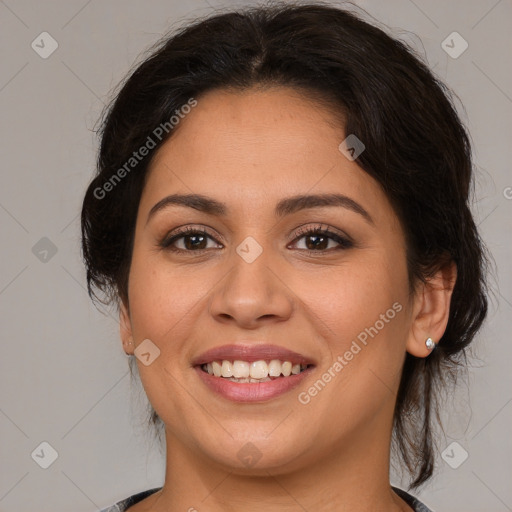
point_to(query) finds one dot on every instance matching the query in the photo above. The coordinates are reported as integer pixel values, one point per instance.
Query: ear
(125, 328)
(431, 309)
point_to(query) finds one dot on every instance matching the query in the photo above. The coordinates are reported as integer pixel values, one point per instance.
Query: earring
(430, 343)
(129, 343)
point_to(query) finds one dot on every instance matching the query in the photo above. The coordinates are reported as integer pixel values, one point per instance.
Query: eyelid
(181, 231)
(318, 226)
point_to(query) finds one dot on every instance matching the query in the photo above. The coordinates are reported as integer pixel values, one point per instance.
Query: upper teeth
(254, 370)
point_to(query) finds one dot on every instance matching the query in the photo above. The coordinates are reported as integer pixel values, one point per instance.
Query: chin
(257, 453)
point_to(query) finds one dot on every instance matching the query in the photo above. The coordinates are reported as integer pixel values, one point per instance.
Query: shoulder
(413, 502)
(123, 505)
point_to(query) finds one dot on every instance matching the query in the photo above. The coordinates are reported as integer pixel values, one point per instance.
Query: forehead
(252, 147)
(254, 126)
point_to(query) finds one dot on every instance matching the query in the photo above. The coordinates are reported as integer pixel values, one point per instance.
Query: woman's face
(339, 302)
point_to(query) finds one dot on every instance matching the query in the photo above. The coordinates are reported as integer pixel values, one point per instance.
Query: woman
(281, 215)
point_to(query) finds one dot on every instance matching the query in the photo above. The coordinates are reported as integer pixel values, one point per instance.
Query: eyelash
(344, 242)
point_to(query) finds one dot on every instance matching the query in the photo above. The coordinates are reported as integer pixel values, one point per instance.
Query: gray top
(123, 505)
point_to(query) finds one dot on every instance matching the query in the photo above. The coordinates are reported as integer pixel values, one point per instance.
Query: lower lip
(252, 391)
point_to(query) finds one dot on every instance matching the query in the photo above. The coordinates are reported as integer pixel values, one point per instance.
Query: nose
(252, 293)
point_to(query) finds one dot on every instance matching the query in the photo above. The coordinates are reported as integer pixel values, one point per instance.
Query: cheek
(351, 297)
(162, 308)
(160, 296)
(365, 307)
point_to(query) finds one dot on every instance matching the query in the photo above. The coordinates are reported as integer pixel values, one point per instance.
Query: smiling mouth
(252, 372)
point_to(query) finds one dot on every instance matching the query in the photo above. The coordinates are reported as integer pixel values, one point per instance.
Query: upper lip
(250, 353)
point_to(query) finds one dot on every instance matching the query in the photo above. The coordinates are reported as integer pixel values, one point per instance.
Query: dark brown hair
(416, 148)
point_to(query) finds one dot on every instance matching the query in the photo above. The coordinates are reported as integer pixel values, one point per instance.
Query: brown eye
(318, 240)
(187, 240)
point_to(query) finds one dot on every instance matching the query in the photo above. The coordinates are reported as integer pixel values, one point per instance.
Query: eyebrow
(283, 208)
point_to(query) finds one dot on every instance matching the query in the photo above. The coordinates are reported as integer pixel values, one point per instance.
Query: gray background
(64, 375)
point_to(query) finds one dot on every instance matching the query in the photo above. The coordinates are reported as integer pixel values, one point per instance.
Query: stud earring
(430, 343)
(129, 343)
